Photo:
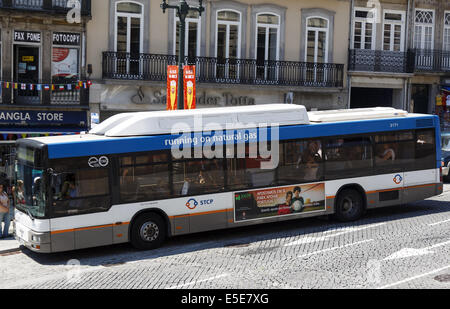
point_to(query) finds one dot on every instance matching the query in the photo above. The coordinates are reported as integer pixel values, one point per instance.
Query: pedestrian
(4, 213)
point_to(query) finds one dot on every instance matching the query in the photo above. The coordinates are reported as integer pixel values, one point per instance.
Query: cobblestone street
(400, 247)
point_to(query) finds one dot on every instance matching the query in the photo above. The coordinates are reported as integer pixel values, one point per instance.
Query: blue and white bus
(122, 181)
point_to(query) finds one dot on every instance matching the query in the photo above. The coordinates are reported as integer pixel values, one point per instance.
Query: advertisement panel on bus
(258, 204)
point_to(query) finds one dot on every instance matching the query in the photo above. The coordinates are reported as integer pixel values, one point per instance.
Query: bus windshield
(30, 190)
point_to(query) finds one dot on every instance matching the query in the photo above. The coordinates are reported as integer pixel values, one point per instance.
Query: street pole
(182, 11)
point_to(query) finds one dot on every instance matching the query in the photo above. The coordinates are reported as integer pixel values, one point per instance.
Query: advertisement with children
(263, 203)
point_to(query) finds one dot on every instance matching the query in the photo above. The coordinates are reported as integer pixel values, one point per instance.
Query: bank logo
(398, 179)
(98, 162)
(191, 204)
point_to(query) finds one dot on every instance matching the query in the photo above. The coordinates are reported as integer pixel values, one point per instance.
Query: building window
(267, 44)
(228, 43)
(393, 30)
(364, 28)
(192, 35)
(129, 27)
(267, 37)
(424, 29)
(129, 36)
(447, 31)
(316, 40)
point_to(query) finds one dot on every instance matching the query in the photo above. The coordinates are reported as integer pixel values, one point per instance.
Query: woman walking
(4, 212)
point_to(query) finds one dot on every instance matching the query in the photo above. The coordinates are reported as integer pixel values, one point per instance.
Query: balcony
(153, 67)
(46, 6)
(367, 60)
(432, 61)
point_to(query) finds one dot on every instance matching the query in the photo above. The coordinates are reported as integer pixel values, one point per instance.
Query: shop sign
(50, 118)
(27, 58)
(202, 99)
(27, 36)
(66, 38)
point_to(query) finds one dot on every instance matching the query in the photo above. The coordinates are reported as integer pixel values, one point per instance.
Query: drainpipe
(349, 83)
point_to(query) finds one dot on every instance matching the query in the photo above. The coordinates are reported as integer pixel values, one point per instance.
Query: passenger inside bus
(387, 153)
(311, 159)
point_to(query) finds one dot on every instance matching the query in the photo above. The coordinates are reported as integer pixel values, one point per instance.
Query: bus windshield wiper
(29, 213)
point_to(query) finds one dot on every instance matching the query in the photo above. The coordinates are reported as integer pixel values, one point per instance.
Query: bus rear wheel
(349, 205)
(148, 232)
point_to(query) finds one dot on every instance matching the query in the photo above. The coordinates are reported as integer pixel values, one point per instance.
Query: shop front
(109, 99)
(443, 105)
(16, 124)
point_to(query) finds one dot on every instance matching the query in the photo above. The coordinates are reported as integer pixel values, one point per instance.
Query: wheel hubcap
(149, 231)
(347, 205)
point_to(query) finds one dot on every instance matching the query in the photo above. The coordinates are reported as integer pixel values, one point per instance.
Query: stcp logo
(398, 179)
(191, 204)
(103, 161)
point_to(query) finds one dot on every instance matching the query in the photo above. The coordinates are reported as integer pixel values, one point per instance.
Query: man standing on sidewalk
(4, 212)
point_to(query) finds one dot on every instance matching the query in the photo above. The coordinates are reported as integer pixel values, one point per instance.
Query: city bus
(134, 178)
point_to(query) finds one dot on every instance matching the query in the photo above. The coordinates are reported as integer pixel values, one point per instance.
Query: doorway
(420, 95)
(371, 97)
(26, 74)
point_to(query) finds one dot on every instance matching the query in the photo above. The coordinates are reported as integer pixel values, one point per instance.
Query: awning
(18, 130)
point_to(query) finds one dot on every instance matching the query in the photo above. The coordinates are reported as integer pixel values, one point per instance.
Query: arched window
(267, 36)
(447, 31)
(128, 37)
(267, 45)
(424, 29)
(228, 34)
(228, 43)
(192, 34)
(128, 27)
(316, 40)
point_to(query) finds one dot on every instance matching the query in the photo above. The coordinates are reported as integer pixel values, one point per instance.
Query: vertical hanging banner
(172, 87)
(189, 87)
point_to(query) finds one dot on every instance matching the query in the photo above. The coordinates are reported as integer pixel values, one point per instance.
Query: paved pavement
(396, 247)
(8, 244)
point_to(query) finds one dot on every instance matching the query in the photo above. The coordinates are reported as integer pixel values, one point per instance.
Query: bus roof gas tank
(356, 114)
(205, 119)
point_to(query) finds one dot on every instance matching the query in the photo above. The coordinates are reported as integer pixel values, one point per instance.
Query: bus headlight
(36, 238)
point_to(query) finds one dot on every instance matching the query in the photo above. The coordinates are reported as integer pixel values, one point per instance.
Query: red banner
(172, 87)
(189, 87)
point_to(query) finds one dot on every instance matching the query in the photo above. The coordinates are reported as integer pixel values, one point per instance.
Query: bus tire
(349, 205)
(148, 232)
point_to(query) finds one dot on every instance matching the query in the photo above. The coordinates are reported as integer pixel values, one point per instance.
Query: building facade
(399, 54)
(246, 52)
(43, 76)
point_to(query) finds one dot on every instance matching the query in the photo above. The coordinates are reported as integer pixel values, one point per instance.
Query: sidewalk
(9, 244)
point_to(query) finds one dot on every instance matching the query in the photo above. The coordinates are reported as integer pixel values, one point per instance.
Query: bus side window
(394, 151)
(80, 192)
(348, 157)
(425, 149)
(300, 161)
(198, 176)
(144, 177)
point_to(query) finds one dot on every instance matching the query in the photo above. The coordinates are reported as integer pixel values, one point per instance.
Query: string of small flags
(46, 87)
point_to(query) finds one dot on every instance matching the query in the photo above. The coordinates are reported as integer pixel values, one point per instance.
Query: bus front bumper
(35, 241)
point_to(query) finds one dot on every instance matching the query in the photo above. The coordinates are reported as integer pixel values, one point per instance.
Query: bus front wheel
(148, 232)
(349, 205)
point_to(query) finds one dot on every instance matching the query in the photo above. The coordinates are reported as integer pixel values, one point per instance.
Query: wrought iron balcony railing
(381, 61)
(153, 67)
(433, 61)
(47, 6)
